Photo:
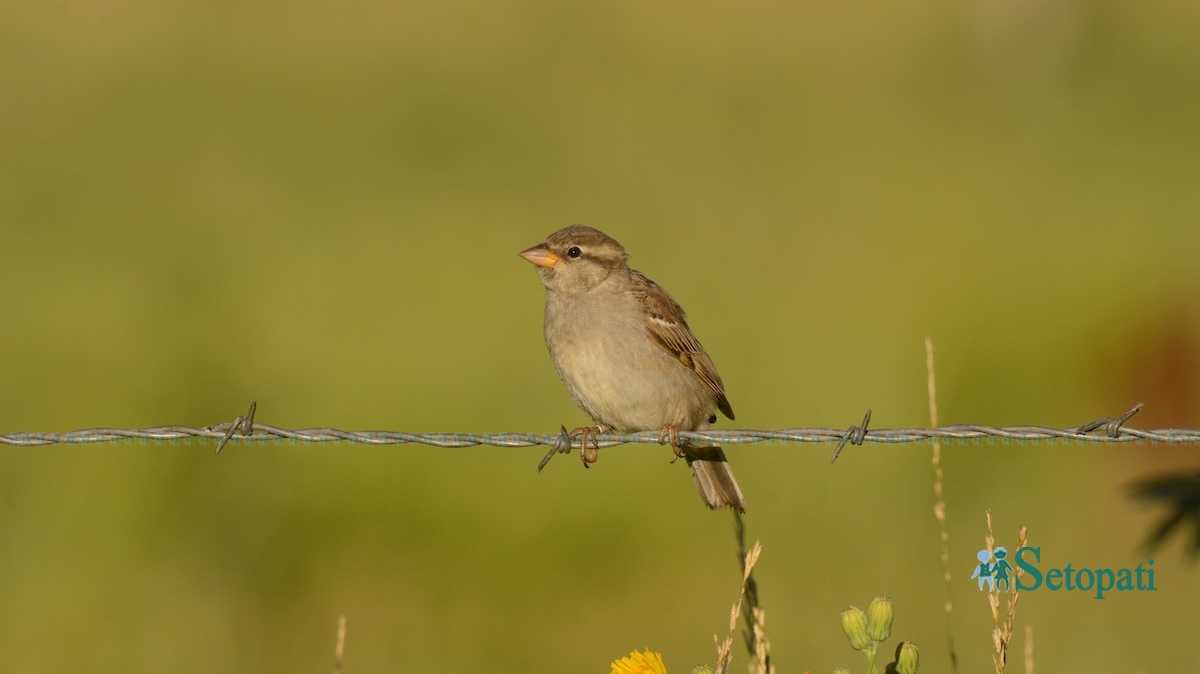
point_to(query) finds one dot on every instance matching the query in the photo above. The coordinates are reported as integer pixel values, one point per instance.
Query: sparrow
(624, 351)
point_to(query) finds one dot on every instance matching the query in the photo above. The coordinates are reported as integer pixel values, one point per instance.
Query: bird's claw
(587, 454)
(671, 432)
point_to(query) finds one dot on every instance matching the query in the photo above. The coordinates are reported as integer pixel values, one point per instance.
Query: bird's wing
(668, 328)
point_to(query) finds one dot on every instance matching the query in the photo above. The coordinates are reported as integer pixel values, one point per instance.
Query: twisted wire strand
(244, 428)
(267, 433)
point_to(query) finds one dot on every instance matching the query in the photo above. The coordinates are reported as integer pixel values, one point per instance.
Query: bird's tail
(714, 478)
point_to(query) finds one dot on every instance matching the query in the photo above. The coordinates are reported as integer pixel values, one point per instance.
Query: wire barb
(243, 424)
(561, 445)
(1112, 425)
(855, 435)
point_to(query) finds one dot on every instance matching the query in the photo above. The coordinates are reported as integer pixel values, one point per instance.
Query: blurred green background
(319, 206)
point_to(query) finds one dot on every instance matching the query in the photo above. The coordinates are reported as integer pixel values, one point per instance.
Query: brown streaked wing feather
(669, 329)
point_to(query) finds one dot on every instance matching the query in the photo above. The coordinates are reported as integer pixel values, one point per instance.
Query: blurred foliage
(319, 206)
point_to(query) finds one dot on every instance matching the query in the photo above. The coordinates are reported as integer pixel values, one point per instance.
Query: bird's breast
(617, 374)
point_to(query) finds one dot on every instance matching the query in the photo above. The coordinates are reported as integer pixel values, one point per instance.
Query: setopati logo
(998, 573)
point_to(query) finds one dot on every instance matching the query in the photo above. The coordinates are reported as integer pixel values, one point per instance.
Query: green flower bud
(840, 670)
(854, 624)
(702, 669)
(907, 658)
(879, 618)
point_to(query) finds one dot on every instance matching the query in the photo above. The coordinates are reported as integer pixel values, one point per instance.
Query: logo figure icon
(995, 573)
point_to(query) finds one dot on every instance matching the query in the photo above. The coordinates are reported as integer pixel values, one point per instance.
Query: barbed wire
(246, 429)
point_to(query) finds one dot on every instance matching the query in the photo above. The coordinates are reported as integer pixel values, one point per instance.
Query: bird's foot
(588, 455)
(671, 431)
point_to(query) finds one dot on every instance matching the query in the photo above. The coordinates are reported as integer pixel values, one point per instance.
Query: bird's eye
(574, 251)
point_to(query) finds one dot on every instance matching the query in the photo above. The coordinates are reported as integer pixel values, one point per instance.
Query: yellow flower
(648, 662)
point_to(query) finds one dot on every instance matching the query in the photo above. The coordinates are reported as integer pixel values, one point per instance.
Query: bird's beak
(541, 256)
